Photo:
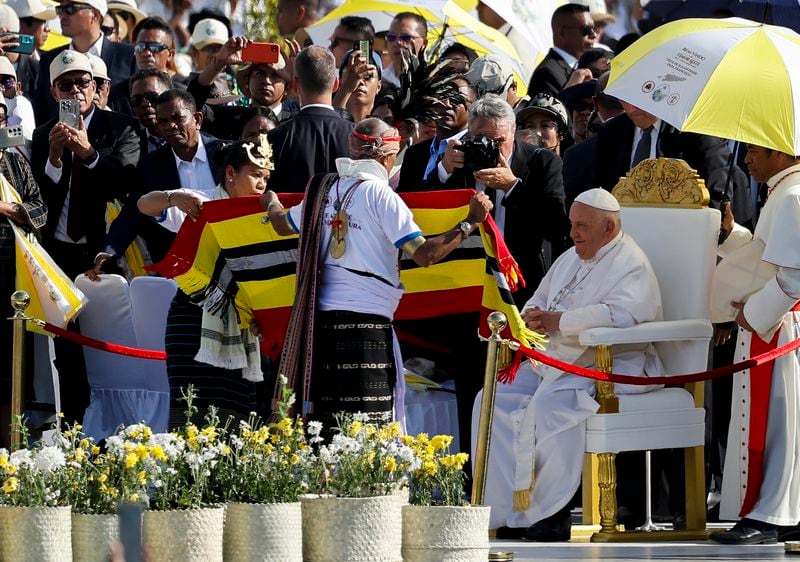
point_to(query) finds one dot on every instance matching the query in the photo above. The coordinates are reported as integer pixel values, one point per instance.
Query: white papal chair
(665, 210)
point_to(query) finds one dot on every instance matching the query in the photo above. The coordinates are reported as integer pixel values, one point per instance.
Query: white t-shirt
(380, 222)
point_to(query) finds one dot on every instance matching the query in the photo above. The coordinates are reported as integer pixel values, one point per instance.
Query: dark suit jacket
(708, 155)
(118, 58)
(579, 173)
(534, 210)
(413, 169)
(114, 136)
(306, 145)
(550, 76)
(27, 74)
(156, 171)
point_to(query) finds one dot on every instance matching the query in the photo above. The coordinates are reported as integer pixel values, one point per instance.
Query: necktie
(436, 155)
(154, 143)
(76, 226)
(642, 151)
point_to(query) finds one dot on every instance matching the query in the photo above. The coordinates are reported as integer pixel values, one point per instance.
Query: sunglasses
(403, 37)
(67, 85)
(149, 97)
(153, 46)
(7, 83)
(71, 9)
(107, 30)
(585, 30)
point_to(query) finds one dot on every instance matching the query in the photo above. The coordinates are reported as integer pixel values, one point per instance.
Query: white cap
(209, 32)
(32, 9)
(8, 19)
(598, 198)
(67, 61)
(99, 68)
(127, 6)
(99, 5)
(490, 74)
(6, 68)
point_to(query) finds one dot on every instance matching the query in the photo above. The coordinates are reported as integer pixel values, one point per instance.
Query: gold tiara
(263, 159)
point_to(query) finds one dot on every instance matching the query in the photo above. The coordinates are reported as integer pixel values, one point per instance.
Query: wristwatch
(465, 228)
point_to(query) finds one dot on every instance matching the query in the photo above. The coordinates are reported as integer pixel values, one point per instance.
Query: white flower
(115, 444)
(314, 428)
(49, 459)
(20, 458)
(361, 417)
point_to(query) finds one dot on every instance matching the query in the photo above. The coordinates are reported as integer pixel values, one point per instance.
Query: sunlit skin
(78, 23)
(179, 128)
(454, 118)
(248, 180)
(590, 229)
(148, 59)
(145, 111)
(543, 123)
(266, 85)
(408, 26)
(570, 37)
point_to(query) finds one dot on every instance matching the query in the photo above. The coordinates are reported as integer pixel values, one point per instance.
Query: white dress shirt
(570, 60)
(637, 134)
(197, 173)
(95, 49)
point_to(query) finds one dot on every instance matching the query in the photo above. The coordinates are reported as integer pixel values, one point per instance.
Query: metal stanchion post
(20, 300)
(497, 322)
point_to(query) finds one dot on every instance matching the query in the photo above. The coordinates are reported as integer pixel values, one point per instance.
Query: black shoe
(789, 533)
(679, 522)
(748, 531)
(510, 533)
(555, 528)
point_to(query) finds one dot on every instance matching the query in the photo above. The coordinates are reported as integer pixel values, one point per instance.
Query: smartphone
(11, 136)
(267, 53)
(130, 530)
(364, 47)
(25, 43)
(69, 112)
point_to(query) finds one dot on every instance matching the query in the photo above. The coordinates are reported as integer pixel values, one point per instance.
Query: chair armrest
(647, 332)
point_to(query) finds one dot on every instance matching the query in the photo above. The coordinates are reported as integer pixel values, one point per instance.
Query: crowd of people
(170, 114)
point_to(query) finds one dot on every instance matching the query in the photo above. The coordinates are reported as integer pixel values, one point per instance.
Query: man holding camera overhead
(524, 183)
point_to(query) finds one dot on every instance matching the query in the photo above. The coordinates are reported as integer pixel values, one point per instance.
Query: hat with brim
(8, 19)
(545, 104)
(32, 9)
(68, 61)
(573, 95)
(603, 17)
(99, 68)
(127, 6)
(243, 74)
(6, 68)
(209, 32)
(99, 5)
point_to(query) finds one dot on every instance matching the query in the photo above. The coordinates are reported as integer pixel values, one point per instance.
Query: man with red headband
(340, 347)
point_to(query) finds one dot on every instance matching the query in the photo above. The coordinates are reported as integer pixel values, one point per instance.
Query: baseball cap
(209, 32)
(6, 68)
(8, 19)
(127, 6)
(99, 68)
(67, 61)
(99, 5)
(547, 104)
(490, 74)
(32, 9)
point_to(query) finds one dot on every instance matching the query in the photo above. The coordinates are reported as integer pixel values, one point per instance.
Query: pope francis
(539, 426)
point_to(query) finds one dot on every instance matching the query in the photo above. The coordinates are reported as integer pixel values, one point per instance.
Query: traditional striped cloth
(231, 256)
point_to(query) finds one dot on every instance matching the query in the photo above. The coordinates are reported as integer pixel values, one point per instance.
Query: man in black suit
(573, 33)
(81, 20)
(420, 160)
(79, 169)
(310, 143)
(525, 186)
(186, 160)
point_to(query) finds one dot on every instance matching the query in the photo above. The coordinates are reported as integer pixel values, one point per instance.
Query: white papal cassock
(540, 418)
(768, 311)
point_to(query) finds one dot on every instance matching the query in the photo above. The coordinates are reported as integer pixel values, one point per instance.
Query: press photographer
(523, 181)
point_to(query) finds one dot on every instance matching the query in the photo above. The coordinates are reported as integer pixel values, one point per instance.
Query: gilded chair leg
(695, 489)
(590, 495)
(608, 492)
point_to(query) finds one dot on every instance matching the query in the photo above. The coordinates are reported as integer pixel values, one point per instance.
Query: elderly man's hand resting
(542, 321)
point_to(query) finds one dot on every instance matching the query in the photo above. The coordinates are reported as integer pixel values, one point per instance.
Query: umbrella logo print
(648, 86)
(660, 93)
(673, 99)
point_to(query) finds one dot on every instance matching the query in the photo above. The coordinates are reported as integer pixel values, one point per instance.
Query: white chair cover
(124, 390)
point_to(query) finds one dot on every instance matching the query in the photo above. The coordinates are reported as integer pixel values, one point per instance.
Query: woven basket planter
(35, 534)
(93, 536)
(190, 535)
(352, 529)
(445, 534)
(265, 532)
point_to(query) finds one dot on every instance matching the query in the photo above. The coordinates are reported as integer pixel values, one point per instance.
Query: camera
(480, 153)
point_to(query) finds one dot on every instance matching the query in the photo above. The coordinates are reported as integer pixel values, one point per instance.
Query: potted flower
(185, 519)
(34, 513)
(439, 524)
(354, 512)
(260, 481)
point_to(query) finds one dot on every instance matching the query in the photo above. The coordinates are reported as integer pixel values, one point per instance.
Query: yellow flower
(407, 440)
(142, 477)
(130, 460)
(80, 455)
(394, 429)
(77, 427)
(95, 450)
(3, 460)
(294, 459)
(210, 432)
(11, 485)
(226, 450)
(61, 414)
(141, 451)
(134, 497)
(192, 431)
(84, 443)
(11, 469)
(430, 468)
(441, 442)
(158, 453)
(102, 478)
(355, 428)
(286, 449)
(391, 464)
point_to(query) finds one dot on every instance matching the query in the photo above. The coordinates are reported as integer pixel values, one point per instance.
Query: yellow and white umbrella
(731, 78)
(446, 19)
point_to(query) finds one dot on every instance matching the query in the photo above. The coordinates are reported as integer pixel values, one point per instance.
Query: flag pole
(20, 300)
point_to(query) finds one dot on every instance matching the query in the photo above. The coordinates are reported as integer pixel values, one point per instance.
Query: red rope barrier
(104, 346)
(667, 379)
